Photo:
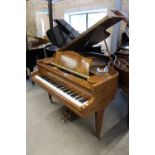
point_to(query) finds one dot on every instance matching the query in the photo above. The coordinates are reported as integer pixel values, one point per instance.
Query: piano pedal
(64, 119)
(68, 115)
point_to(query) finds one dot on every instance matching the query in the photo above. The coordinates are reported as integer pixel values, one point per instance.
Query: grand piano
(82, 80)
(34, 50)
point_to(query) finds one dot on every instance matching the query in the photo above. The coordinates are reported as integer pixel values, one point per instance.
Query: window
(94, 18)
(78, 22)
(81, 21)
(42, 22)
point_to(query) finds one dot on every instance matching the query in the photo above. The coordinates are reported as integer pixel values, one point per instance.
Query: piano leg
(98, 122)
(50, 97)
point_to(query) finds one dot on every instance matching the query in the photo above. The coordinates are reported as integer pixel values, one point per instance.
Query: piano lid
(93, 35)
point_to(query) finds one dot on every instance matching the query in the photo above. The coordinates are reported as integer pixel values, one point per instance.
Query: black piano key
(70, 92)
(82, 100)
(63, 88)
(59, 86)
(79, 97)
(56, 84)
(50, 80)
(47, 79)
(66, 90)
(76, 96)
(73, 95)
(44, 78)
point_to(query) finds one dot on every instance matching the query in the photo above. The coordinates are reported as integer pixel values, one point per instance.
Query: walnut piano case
(94, 90)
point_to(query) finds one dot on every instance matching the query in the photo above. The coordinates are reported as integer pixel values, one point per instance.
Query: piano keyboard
(62, 90)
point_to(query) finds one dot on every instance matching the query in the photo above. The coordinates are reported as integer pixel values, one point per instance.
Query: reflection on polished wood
(73, 61)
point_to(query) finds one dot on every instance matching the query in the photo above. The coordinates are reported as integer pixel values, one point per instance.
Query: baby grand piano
(84, 82)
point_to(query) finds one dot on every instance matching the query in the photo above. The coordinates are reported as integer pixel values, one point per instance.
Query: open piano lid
(93, 35)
